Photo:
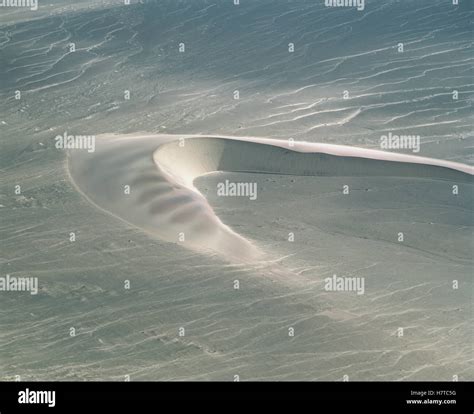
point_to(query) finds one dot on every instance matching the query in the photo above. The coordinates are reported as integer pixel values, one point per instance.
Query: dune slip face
(148, 180)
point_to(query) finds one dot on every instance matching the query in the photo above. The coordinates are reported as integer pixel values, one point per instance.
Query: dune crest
(147, 180)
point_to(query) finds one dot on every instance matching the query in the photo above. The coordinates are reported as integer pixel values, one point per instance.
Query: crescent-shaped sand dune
(147, 180)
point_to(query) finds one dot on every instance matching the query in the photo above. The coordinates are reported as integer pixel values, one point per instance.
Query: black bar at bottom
(69, 396)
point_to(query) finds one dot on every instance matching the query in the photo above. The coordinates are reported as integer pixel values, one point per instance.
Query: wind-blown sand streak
(161, 169)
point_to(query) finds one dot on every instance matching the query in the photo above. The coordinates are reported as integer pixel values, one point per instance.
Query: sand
(117, 284)
(149, 181)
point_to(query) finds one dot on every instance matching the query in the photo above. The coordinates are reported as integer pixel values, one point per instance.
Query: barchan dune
(148, 180)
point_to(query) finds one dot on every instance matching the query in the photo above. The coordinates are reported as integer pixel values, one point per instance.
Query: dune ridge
(147, 180)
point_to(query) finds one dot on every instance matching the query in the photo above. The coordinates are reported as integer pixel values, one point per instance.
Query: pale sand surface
(282, 95)
(149, 180)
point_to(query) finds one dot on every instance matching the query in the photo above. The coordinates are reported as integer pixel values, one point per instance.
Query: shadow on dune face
(203, 155)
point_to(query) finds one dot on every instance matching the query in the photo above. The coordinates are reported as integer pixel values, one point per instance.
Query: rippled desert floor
(122, 302)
